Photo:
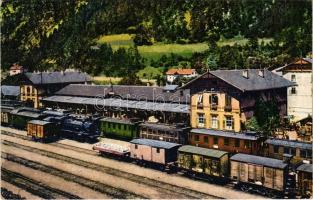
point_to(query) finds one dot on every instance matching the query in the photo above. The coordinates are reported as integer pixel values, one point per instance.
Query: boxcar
(155, 152)
(126, 129)
(208, 162)
(42, 130)
(21, 116)
(276, 148)
(6, 115)
(268, 173)
(177, 133)
(305, 180)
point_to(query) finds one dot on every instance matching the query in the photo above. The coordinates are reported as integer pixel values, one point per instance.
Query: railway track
(161, 186)
(97, 186)
(34, 187)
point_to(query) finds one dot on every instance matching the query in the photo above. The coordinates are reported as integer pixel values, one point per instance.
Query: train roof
(119, 121)
(258, 160)
(202, 151)
(161, 126)
(39, 122)
(27, 112)
(229, 134)
(289, 143)
(6, 108)
(155, 143)
(305, 168)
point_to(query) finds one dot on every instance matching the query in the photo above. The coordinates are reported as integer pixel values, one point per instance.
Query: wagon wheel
(244, 188)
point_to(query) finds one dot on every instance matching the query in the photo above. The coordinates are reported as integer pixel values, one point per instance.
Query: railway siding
(177, 180)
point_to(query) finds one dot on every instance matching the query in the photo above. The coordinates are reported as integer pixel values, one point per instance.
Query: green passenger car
(21, 116)
(126, 129)
(203, 161)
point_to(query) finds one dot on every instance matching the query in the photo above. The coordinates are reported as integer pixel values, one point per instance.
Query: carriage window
(206, 139)
(286, 150)
(109, 125)
(215, 140)
(136, 146)
(247, 144)
(309, 154)
(226, 141)
(276, 149)
(158, 150)
(113, 126)
(237, 143)
(293, 151)
(196, 138)
(303, 153)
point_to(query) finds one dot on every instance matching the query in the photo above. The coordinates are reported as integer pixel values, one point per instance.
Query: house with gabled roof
(226, 99)
(300, 96)
(173, 74)
(34, 86)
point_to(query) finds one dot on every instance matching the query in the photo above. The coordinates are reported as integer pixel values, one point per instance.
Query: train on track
(267, 176)
(166, 146)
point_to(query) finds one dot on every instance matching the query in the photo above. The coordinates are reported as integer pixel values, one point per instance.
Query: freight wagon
(203, 162)
(42, 131)
(6, 115)
(267, 175)
(154, 153)
(304, 173)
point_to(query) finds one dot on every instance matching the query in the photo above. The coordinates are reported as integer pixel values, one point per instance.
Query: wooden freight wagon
(42, 130)
(6, 115)
(259, 171)
(203, 161)
(305, 180)
(158, 153)
(119, 128)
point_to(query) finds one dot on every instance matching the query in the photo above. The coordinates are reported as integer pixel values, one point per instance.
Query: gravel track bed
(99, 187)
(165, 187)
(34, 187)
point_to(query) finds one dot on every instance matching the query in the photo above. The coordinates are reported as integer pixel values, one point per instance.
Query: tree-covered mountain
(53, 34)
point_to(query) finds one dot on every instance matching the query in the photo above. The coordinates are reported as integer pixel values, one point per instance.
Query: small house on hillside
(17, 69)
(173, 74)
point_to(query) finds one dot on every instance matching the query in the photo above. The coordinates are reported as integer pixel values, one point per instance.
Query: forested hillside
(54, 34)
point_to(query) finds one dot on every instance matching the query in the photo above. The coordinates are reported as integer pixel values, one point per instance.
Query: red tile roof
(180, 71)
(16, 67)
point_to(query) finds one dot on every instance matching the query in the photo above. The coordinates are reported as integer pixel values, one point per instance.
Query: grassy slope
(158, 49)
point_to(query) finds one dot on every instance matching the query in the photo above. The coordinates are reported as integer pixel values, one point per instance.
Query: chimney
(261, 73)
(245, 73)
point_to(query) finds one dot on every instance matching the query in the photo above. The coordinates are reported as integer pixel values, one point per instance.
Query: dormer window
(293, 77)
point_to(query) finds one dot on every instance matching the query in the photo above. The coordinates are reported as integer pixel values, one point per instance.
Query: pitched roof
(228, 134)
(258, 160)
(130, 92)
(9, 90)
(155, 143)
(304, 62)
(202, 151)
(305, 168)
(162, 126)
(289, 143)
(57, 77)
(180, 71)
(254, 81)
(39, 122)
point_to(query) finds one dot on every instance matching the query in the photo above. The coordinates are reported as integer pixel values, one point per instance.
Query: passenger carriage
(126, 129)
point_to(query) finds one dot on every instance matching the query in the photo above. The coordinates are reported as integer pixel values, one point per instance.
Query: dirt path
(153, 174)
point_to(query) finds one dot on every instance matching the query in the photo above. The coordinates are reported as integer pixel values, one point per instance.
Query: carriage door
(207, 166)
